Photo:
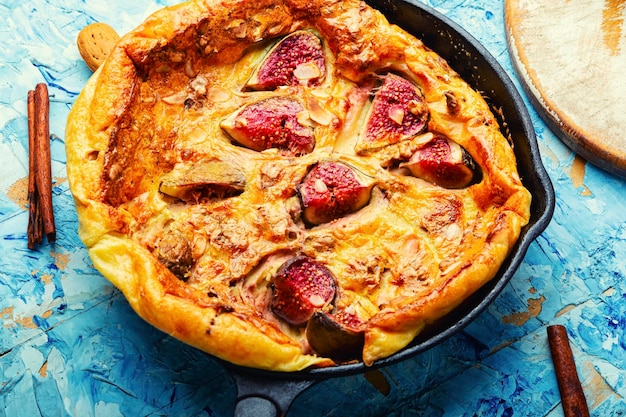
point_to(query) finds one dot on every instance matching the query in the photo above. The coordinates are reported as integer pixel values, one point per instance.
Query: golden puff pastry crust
(210, 222)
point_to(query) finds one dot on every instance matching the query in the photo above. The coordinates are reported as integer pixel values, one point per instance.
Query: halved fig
(337, 336)
(174, 251)
(298, 59)
(300, 287)
(331, 190)
(275, 122)
(204, 180)
(398, 112)
(443, 162)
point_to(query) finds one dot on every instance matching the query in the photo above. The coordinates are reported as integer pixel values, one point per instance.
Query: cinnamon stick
(35, 222)
(43, 165)
(40, 210)
(573, 398)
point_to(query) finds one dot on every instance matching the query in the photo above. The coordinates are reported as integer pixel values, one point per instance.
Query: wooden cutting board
(571, 58)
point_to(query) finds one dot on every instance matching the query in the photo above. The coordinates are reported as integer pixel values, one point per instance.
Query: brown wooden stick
(43, 164)
(35, 222)
(572, 395)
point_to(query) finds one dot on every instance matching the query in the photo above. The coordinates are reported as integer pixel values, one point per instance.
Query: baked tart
(288, 184)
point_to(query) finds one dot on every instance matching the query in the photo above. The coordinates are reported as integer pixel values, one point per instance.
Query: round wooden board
(571, 58)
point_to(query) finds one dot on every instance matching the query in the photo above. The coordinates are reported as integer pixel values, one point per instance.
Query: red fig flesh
(443, 162)
(332, 190)
(298, 59)
(274, 122)
(398, 112)
(301, 286)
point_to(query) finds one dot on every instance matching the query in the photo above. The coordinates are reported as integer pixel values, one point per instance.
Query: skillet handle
(262, 396)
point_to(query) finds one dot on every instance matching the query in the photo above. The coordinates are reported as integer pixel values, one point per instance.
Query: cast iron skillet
(266, 393)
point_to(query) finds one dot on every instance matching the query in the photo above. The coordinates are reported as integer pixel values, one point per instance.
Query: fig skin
(298, 59)
(443, 162)
(175, 253)
(339, 337)
(273, 122)
(300, 287)
(204, 180)
(398, 112)
(332, 190)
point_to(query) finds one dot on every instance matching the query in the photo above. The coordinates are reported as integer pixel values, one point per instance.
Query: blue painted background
(71, 346)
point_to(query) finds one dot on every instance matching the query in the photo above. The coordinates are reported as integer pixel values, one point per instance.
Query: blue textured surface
(71, 346)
